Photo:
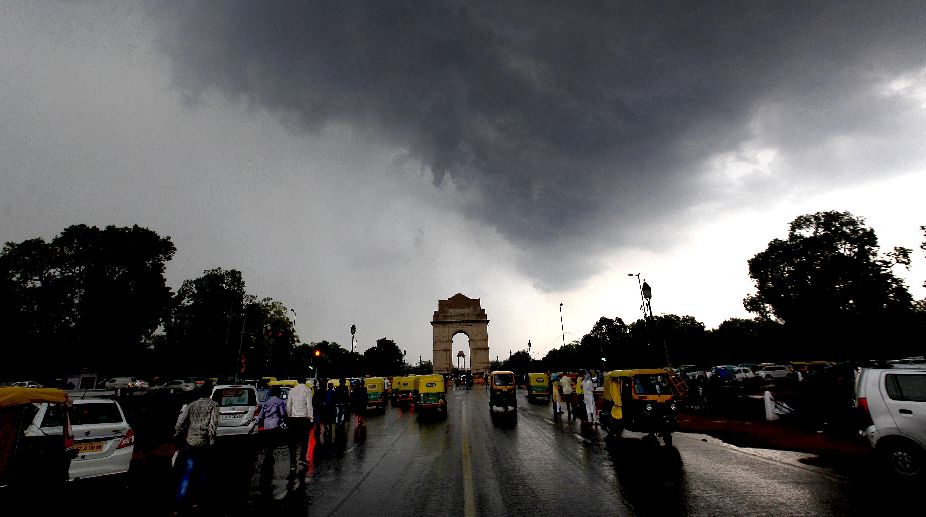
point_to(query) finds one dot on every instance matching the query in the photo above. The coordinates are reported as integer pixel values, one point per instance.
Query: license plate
(230, 417)
(83, 447)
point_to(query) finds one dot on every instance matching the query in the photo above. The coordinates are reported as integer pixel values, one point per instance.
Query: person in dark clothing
(359, 401)
(341, 402)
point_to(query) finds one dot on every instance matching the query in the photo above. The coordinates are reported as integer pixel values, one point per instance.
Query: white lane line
(469, 506)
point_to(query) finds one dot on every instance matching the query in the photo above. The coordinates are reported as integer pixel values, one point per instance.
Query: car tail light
(127, 440)
(864, 414)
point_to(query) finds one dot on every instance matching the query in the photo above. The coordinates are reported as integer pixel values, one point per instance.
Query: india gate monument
(457, 315)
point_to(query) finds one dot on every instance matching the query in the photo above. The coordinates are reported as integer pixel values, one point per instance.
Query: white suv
(238, 408)
(892, 403)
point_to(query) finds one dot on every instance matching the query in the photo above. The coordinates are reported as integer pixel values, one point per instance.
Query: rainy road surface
(474, 463)
(526, 463)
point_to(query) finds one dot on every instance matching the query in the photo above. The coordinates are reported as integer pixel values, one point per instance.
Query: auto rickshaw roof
(501, 372)
(641, 371)
(17, 396)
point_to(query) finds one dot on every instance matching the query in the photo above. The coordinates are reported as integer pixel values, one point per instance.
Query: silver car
(892, 404)
(238, 409)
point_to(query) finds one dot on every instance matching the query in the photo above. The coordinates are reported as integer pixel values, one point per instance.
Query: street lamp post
(646, 295)
(561, 327)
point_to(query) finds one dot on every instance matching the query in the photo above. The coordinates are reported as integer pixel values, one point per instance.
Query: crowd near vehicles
(432, 394)
(640, 401)
(502, 390)
(238, 409)
(538, 387)
(892, 406)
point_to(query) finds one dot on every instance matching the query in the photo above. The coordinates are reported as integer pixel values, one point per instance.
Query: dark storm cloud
(570, 124)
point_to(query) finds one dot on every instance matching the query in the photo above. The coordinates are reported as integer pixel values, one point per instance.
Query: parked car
(26, 384)
(175, 386)
(775, 371)
(238, 408)
(117, 383)
(892, 404)
(742, 373)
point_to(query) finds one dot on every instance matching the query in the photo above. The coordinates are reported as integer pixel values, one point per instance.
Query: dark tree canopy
(827, 283)
(90, 297)
(385, 358)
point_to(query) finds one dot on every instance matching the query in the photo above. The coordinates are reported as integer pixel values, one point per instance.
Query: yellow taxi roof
(15, 396)
(641, 371)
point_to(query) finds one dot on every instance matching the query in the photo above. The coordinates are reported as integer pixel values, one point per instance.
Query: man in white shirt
(566, 384)
(588, 392)
(299, 418)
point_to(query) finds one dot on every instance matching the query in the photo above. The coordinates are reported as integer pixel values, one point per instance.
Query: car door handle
(906, 412)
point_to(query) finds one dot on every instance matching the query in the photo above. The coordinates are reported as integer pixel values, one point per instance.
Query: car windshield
(657, 384)
(235, 397)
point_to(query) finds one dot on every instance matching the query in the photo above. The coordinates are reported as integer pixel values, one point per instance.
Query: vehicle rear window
(505, 379)
(54, 416)
(106, 413)
(235, 397)
(906, 387)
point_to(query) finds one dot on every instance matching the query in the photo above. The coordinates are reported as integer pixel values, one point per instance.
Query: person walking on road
(359, 401)
(566, 384)
(341, 402)
(557, 395)
(588, 391)
(196, 429)
(300, 415)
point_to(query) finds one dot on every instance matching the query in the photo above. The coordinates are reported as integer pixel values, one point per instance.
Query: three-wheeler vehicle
(641, 401)
(404, 389)
(502, 390)
(538, 387)
(432, 393)
(376, 392)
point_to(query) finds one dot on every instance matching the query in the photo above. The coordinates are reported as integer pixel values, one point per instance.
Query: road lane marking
(469, 506)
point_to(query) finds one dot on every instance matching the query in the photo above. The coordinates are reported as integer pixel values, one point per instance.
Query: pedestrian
(196, 430)
(359, 402)
(341, 402)
(588, 390)
(300, 415)
(329, 413)
(566, 384)
(557, 395)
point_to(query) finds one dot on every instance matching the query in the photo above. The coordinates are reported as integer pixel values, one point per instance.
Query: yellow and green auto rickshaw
(432, 393)
(403, 389)
(376, 392)
(639, 400)
(502, 390)
(538, 387)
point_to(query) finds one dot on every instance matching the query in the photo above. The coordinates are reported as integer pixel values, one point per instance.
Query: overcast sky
(359, 161)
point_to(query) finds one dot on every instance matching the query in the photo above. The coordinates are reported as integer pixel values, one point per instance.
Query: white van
(892, 404)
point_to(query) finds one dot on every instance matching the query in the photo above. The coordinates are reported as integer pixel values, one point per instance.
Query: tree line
(98, 298)
(825, 292)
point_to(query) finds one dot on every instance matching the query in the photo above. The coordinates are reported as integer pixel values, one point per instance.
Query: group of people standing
(578, 400)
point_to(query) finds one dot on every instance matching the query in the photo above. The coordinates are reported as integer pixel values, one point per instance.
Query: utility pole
(561, 327)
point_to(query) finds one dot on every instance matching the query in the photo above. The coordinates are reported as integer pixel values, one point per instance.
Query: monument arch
(460, 315)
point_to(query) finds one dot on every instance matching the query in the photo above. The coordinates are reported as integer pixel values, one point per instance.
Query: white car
(103, 438)
(776, 371)
(238, 409)
(892, 402)
(175, 386)
(742, 373)
(122, 382)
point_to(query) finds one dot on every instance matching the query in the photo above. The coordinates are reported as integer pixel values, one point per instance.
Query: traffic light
(318, 353)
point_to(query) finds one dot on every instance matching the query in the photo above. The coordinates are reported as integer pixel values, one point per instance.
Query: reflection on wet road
(474, 463)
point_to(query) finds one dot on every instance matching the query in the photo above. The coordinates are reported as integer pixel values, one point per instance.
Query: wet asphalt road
(528, 463)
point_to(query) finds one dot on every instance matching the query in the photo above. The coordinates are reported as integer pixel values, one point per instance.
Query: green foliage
(383, 359)
(88, 298)
(829, 287)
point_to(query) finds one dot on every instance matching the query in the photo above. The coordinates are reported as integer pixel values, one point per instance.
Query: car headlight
(672, 406)
(648, 408)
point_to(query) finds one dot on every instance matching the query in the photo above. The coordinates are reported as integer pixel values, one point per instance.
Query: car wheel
(768, 377)
(904, 459)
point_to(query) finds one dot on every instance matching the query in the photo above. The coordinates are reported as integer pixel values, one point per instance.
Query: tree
(89, 298)
(738, 340)
(385, 358)
(651, 338)
(828, 285)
